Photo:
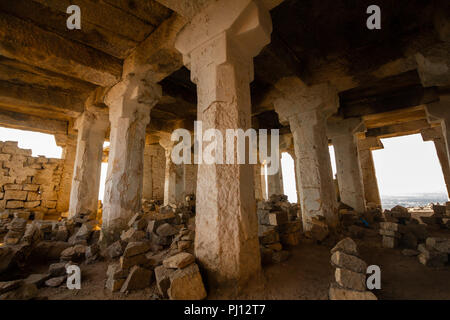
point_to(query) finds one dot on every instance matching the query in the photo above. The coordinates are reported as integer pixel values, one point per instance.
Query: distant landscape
(413, 200)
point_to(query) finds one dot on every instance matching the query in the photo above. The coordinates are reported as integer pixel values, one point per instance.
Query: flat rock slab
(55, 282)
(347, 246)
(346, 261)
(10, 285)
(179, 261)
(135, 248)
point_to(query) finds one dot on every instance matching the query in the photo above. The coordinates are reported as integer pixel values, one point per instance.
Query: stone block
(31, 187)
(186, 284)
(31, 204)
(15, 195)
(12, 187)
(162, 276)
(389, 233)
(278, 218)
(128, 262)
(34, 196)
(389, 242)
(136, 248)
(350, 262)
(350, 280)
(180, 260)
(139, 278)
(347, 246)
(12, 204)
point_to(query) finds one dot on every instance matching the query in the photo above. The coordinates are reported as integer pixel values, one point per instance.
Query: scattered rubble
(279, 226)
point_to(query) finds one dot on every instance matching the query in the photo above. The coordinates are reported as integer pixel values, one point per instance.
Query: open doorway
(289, 182)
(409, 173)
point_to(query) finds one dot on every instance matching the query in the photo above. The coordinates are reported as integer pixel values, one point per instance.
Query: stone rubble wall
(28, 183)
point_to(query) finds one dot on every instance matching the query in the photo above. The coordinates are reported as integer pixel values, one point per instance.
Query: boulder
(186, 284)
(347, 246)
(179, 261)
(342, 260)
(138, 278)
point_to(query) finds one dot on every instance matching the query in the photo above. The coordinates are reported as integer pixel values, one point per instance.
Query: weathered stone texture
(27, 182)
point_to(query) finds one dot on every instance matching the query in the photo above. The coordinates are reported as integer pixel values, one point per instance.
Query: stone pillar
(258, 181)
(130, 102)
(306, 109)
(349, 175)
(435, 135)
(438, 112)
(371, 190)
(69, 144)
(147, 185)
(218, 46)
(92, 126)
(174, 175)
(190, 179)
(275, 181)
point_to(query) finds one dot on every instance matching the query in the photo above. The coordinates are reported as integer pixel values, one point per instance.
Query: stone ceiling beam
(401, 129)
(40, 100)
(189, 8)
(26, 42)
(400, 99)
(15, 120)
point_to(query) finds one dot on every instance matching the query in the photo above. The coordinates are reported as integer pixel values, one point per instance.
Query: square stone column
(218, 46)
(173, 175)
(306, 110)
(92, 127)
(439, 112)
(258, 181)
(275, 181)
(69, 144)
(130, 102)
(147, 184)
(349, 175)
(371, 190)
(435, 135)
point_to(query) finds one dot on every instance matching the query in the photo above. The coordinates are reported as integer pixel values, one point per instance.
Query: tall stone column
(147, 185)
(275, 181)
(438, 112)
(306, 110)
(435, 135)
(258, 181)
(174, 175)
(218, 46)
(92, 126)
(69, 145)
(130, 102)
(371, 190)
(190, 179)
(349, 175)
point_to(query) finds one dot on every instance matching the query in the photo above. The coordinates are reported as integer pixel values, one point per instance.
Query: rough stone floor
(307, 274)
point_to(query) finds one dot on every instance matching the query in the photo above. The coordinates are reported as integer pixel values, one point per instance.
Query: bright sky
(406, 165)
(41, 144)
